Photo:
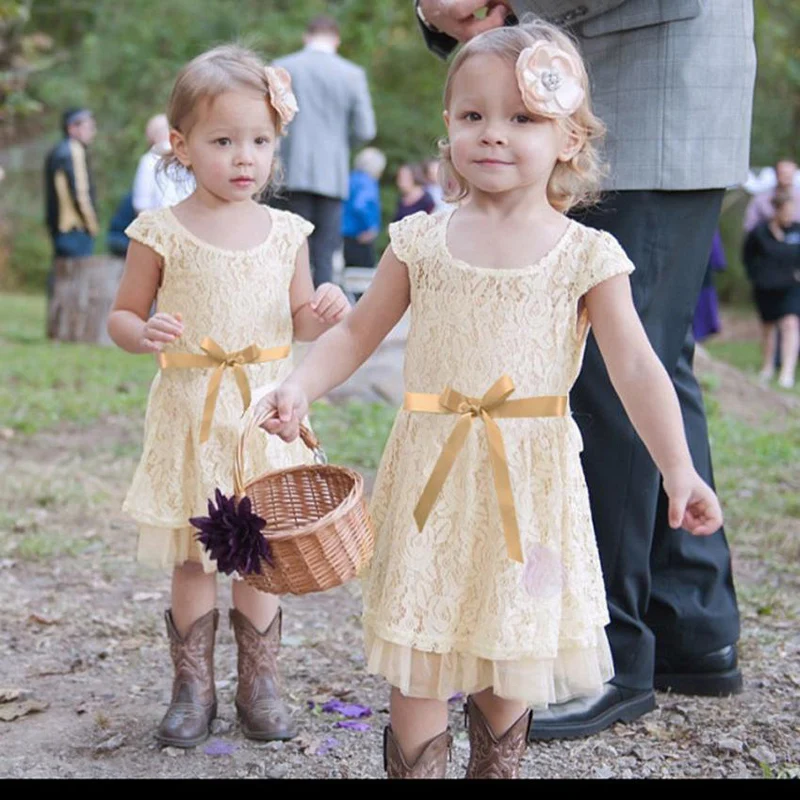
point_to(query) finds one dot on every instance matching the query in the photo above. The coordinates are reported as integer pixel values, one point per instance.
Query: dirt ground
(83, 648)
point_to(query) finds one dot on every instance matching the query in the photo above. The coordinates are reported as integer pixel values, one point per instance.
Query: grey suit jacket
(335, 114)
(672, 80)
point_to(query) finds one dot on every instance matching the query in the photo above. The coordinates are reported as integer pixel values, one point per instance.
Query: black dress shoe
(588, 715)
(714, 674)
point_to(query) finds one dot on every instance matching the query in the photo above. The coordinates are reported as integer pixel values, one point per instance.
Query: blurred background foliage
(120, 60)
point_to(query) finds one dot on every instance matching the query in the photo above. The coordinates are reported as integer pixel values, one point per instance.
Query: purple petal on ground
(352, 725)
(456, 697)
(219, 748)
(311, 704)
(346, 709)
(328, 745)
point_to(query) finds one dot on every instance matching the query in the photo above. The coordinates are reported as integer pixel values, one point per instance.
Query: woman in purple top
(706, 314)
(413, 197)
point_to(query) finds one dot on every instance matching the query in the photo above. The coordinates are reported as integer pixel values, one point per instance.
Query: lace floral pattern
(238, 298)
(447, 603)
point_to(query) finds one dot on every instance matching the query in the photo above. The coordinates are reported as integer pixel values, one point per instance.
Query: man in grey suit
(674, 84)
(335, 114)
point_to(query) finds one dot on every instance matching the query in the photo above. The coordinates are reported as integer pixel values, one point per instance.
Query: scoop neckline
(445, 225)
(228, 251)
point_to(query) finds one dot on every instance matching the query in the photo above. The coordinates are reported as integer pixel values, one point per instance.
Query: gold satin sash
(493, 405)
(217, 357)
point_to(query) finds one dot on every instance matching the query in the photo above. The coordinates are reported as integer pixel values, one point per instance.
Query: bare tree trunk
(83, 292)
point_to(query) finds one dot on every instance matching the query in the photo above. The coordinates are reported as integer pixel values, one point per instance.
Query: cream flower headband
(549, 80)
(281, 96)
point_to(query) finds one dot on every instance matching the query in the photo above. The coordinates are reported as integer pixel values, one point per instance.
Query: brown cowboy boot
(490, 757)
(194, 701)
(262, 713)
(432, 761)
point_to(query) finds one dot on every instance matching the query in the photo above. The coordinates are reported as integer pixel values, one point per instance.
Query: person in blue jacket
(361, 217)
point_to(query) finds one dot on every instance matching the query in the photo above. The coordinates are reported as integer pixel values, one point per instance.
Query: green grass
(43, 383)
(742, 354)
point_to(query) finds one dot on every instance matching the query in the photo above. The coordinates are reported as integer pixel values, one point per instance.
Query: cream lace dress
(238, 298)
(446, 610)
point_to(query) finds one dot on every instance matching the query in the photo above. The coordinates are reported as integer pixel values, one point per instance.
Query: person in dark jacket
(69, 190)
(772, 258)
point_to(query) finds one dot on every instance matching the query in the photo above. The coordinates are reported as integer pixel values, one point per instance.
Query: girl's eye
(223, 141)
(262, 140)
(472, 116)
(522, 118)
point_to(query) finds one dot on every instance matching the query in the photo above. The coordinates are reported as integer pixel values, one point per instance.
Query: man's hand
(457, 18)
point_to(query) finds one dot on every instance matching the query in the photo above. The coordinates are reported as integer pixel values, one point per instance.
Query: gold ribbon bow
(493, 405)
(217, 357)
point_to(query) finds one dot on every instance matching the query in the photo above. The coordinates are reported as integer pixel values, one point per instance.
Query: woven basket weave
(318, 527)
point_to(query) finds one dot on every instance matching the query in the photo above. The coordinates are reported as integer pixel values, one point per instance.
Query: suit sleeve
(565, 12)
(362, 114)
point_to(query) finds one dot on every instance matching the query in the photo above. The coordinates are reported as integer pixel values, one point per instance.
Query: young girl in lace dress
(486, 578)
(233, 288)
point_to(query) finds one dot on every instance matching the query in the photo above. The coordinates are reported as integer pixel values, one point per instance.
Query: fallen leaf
(142, 597)
(111, 744)
(307, 743)
(12, 711)
(42, 620)
(325, 748)
(7, 695)
(352, 725)
(219, 748)
(346, 709)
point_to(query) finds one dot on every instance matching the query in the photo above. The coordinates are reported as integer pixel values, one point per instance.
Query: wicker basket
(318, 527)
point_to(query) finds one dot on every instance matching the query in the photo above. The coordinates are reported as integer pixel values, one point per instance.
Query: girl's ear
(573, 143)
(446, 117)
(177, 142)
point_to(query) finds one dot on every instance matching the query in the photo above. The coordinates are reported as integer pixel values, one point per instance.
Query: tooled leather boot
(490, 757)
(432, 761)
(262, 713)
(194, 701)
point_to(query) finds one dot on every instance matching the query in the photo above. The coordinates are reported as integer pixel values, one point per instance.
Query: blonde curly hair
(574, 182)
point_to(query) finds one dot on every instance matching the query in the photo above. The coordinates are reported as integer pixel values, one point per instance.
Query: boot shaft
(490, 757)
(432, 762)
(193, 659)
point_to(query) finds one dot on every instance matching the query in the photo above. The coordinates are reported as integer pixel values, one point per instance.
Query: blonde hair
(225, 68)
(572, 183)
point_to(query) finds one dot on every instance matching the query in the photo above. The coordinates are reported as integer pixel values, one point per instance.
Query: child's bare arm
(128, 323)
(344, 348)
(650, 401)
(313, 312)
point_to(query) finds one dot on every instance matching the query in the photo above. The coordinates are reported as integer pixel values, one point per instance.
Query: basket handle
(255, 421)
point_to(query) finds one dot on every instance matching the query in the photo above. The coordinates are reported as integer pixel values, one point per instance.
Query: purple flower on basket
(231, 534)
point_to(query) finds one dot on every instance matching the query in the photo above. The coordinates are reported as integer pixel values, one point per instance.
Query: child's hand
(692, 503)
(161, 329)
(329, 303)
(291, 403)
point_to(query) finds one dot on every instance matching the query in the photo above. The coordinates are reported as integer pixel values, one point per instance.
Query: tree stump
(83, 292)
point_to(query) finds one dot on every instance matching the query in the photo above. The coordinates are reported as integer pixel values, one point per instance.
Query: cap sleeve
(403, 235)
(149, 228)
(605, 260)
(295, 230)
